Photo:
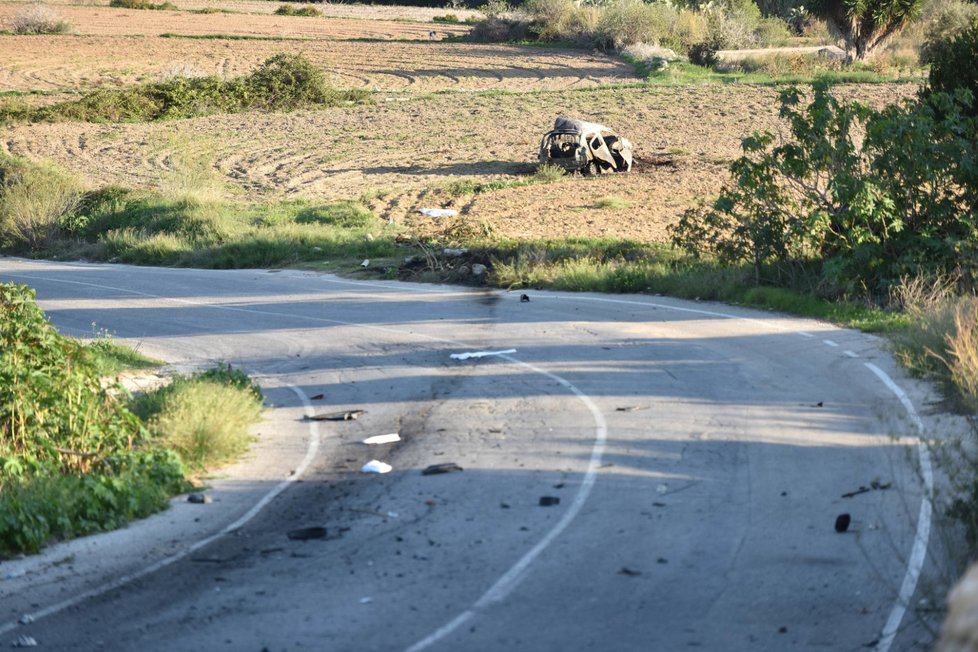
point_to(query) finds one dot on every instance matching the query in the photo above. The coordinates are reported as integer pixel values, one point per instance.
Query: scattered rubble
(438, 469)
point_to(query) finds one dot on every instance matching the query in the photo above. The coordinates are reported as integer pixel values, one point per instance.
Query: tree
(867, 25)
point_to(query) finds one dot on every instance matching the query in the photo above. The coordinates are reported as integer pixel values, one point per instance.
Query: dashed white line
(830, 343)
(851, 354)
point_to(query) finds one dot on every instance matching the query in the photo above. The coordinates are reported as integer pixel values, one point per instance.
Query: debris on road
(438, 212)
(479, 354)
(875, 485)
(842, 522)
(524, 298)
(438, 469)
(366, 600)
(199, 499)
(662, 489)
(630, 572)
(548, 501)
(24, 641)
(585, 147)
(349, 415)
(317, 397)
(632, 408)
(375, 466)
(26, 619)
(382, 439)
(307, 533)
(365, 263)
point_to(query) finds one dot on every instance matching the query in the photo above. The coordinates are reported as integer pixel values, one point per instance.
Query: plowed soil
(406, 150)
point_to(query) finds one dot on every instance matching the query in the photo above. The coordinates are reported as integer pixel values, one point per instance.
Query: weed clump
(38, 18)
(143, 4)
(284, 82)
(35, 202)
(292, 10)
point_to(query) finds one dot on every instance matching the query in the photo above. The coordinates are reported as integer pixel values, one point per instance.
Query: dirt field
(404, 151)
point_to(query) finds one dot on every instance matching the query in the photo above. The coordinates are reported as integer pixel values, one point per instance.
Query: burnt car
(585, 147)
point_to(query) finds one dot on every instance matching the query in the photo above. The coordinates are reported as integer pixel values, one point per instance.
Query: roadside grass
(284, 82)
(143, 4)
(203, 417)
(109, 357)
(294, 10)
(545, 173)
(774, 71)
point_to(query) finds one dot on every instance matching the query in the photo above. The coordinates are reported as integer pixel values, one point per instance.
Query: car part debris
(842, 522)
(524, 298)
(438, 212)
(479, 354)
(438, 469)
(26, 619)
(875, 485)
(382, 439)
(375, 466)
(199, 499)
(24, 641)
(549, 501)
(630, 572)
(349, 415)
(585, 147)
(307, 533)
(317, 397)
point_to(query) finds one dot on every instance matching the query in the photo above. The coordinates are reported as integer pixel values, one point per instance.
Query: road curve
(699, 454)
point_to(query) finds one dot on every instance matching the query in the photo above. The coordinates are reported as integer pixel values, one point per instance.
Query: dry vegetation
(411, 148)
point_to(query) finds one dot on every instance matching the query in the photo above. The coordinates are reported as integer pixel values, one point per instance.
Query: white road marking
(852, 354)
(830, 343)
(311, 451)
(479, 354)
(918, 554)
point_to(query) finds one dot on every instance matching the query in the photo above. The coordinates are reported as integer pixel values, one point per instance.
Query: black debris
(307, 533)
(842, 522)
(317, 397)
(782, 630)
(548, 501)
(524, 298)
(504, 505)
(662, 560)
(199, 499)
(819, 404)
(875, 485)
(446, 467)
(630, 572)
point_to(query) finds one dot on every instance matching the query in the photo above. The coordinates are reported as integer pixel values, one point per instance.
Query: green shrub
(292, 10)
(901, 201)
(36, 200)
(952, 65)
(284, 82)
(206, 422)
(347, 214)
(38, 18)
(704, 54)
(450, 19)
(626, 22)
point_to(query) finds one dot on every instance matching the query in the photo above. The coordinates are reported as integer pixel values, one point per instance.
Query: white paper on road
(374, 466)
(438, 212)
(480, 354)
(382, 439)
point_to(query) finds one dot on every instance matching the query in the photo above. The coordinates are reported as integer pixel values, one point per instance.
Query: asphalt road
(699, 453)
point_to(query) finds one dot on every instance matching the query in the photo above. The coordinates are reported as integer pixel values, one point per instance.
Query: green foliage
(284, 82)
(952, 65)
(292, 10)
(36, 202)
(901, 202)
(73, 458)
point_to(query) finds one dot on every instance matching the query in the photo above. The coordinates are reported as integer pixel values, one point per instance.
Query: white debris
(25, 641)
(438, 212)
(382, 439)
(26, 619)
(480, 354)
(374, 466)
(662, 489)
(365, 263)
(478, 269)
(366, 600)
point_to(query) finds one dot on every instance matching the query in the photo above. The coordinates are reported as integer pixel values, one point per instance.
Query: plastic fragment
(549, 501)
(382, 439)
(307, 533)
(842, 523)
(375, 466)
(479, 354)
(348, 415)
(24, 641)
(438, 212)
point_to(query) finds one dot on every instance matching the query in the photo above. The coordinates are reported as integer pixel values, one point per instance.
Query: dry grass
(962, 348)
(39, 18)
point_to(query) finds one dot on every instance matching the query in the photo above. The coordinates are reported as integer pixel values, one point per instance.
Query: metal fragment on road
(438, 469)
(376, 466)
(549, 501)
(842, 523)
(199, 499)
(307, 533)
(480, 354)
(24, 641)
(382, 439)
(524, 298)
(349, 415)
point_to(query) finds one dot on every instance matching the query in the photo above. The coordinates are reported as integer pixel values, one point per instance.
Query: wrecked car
(585, 147)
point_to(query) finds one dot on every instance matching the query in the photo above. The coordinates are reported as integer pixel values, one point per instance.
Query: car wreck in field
(585, 147)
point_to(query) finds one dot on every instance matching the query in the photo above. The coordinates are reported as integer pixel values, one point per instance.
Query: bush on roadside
(952, 65)
(36, 201)
(73, 458)
(143, 4)
(38, 18)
